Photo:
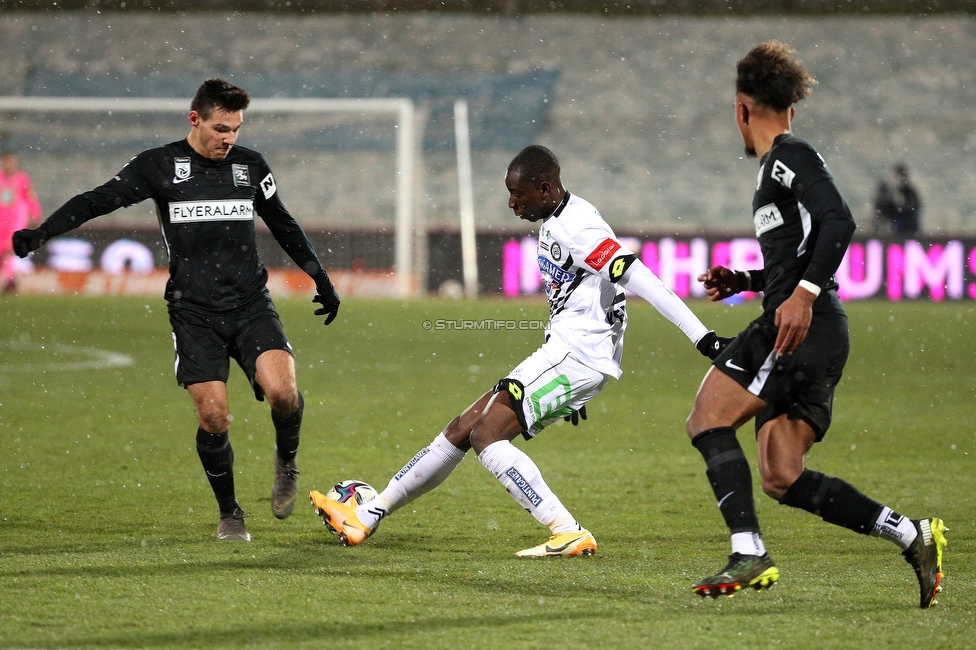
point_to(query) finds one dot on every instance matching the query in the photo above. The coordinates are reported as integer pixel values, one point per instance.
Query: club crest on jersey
(783, 174)
(767, 218)
(556, 251)
(602, 253)
(181, 169)
(241, 176)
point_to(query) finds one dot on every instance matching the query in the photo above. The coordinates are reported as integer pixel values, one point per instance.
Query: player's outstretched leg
(925, 556)
(523, 481)
(563, 545)
(340, 519)
(756, 571)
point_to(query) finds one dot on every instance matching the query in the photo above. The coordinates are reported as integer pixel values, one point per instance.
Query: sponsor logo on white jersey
(226, 210)
(268, 186)
(767, 218)
(552, 270)
(783, 174)
(602, 253)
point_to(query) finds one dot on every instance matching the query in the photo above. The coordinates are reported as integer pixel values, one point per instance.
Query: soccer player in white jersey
(585, 270)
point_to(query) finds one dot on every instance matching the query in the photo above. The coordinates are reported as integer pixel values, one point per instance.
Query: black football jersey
(802, 223)
(206, 211)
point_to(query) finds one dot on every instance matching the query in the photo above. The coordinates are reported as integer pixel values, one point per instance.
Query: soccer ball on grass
(343, 491)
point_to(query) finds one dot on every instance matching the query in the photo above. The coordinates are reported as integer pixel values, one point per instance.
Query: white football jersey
(587, 312)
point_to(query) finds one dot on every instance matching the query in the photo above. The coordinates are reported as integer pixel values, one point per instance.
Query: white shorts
(553, 384)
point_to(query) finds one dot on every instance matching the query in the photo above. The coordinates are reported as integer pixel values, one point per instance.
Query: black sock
(287, 429)
(728, 472)
(834, 500)
(217, 457)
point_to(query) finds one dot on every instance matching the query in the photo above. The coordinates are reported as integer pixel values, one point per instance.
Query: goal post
(401, 109)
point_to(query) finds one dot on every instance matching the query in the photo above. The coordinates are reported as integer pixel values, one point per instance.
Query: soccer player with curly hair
(783, 368)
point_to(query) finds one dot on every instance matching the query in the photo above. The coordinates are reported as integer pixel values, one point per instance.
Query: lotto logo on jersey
(602, 253)
(767, 218)
(227, 210)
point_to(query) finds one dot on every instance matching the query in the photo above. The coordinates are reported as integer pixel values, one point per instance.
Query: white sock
(425, 471)
(524, 482)
(748, 544)
(895, 528)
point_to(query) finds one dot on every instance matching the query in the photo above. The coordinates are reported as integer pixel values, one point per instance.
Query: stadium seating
(639, 110)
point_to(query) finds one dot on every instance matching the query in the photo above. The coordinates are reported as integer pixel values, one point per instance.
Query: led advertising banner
(895, 270)
(923, 269)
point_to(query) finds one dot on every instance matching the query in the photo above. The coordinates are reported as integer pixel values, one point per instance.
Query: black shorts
(205, 343)
(801, 384)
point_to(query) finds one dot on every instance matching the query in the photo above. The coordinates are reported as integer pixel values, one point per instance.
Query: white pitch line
(99, 359)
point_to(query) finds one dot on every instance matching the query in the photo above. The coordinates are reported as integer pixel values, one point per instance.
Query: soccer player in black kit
(207, 191)
(783, 368)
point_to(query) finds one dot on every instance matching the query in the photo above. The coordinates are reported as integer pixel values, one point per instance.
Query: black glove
(577, 416)
(26, 241)
(326, 296)
(711, 345)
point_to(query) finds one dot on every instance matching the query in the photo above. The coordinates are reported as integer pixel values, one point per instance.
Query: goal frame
(402, 109)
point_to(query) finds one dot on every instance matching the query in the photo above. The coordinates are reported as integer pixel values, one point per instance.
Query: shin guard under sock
(834, 500)
(426, 470)
(523, 481)
(728, 472)
(287, 429)
(217, 457)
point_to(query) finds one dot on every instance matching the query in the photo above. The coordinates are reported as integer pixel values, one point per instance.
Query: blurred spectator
(19, 208)
(897, 206)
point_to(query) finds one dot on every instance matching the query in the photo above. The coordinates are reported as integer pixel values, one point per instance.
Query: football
(343, 491)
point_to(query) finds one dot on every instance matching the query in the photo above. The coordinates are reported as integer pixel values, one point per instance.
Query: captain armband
(620, 265)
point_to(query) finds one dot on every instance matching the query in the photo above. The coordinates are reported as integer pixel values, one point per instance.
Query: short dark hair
(771, 74)
(217, 93)
(537, 163)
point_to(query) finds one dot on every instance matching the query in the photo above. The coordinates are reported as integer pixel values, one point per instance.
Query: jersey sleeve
(131, 185)
(283, 226)
(597, 250)
(802, 170)
(640, 280)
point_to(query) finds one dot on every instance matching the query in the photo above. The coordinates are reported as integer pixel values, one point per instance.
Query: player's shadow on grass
(410, 630)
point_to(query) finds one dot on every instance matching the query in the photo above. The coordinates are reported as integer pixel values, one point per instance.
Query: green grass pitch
(108, 527)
